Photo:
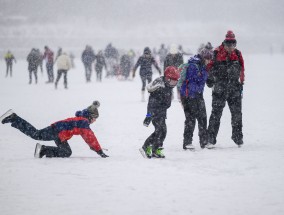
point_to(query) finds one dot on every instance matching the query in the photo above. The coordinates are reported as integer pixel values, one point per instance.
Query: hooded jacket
(194, 81)
(160, 98)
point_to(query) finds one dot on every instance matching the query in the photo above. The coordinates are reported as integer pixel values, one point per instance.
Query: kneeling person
(60, 132)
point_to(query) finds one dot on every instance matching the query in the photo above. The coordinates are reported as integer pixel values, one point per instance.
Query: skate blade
(189, 149)
(7, 113)
(37, 150)
(143, 153)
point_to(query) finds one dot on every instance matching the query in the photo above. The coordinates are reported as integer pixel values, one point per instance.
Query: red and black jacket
(221, 56)
(76, 126)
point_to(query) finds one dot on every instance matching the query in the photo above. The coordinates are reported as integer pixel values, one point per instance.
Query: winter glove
(102, 154)
(147, 120)
(210, 81)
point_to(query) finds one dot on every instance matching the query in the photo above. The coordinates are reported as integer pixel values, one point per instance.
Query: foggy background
(26, 24)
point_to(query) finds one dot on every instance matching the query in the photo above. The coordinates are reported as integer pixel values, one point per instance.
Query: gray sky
(253, 21)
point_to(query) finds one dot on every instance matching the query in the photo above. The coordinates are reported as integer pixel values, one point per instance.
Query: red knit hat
(230, 36)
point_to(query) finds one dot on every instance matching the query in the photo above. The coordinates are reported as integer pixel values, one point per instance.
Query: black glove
(147, 120)
(102, 154)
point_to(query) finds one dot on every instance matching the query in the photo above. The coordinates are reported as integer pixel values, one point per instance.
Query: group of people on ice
(63, 60)
(221, 69)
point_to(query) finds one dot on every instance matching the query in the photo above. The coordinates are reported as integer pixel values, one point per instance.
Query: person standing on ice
(161, 90)
(49, 56)
(145, 62)
(60, 132)
(173, 58)
(99, 65)
(88, 57)
(33, 60)
(162, 52)
(63, 65)
(9, 58)
(191, 86)
(226, 76)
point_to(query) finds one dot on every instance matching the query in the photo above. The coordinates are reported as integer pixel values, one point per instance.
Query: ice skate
(209, 146)
(146, 151)
(188, 147)
(38, 150)
(158, 153)
(8, 117)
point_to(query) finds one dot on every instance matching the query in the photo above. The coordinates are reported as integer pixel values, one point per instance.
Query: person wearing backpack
(191, 87)
(226, 76)
(161, 90)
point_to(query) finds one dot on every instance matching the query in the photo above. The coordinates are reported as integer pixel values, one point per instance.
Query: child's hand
(147, 120)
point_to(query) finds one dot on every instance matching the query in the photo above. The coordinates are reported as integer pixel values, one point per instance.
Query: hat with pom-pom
(230, 36)
(93, 109)
(90, 112)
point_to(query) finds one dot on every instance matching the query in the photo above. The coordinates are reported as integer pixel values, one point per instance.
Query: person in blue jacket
(191, 87)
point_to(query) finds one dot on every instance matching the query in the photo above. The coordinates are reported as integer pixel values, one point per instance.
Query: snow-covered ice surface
(228, 180)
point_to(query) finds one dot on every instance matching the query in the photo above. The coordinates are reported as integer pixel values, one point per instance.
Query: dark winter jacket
(33, 60)
(100, 62)
(111, 52)
(145, 62)
(173, 60)
(196, 76)
(160, 98)
(226, 73)
(78, 125)
(88, 56)
(222, 60)
(125, 64)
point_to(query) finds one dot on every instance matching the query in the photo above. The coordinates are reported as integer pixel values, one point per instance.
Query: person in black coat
(125, 65)
(160, 100)
(88, 57)
(33, 62)
(100, 63)
(145, 62)
(174, 58)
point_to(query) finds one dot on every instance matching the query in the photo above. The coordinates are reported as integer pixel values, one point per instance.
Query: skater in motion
(226, 76)
(63, 65)
(60, 132)
(160, 100)
(9, 58)
(145, 62)
(191, 87)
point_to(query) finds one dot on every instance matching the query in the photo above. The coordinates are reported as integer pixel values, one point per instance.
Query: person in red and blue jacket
(191, 87)
(226, 76)
(60, 132)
